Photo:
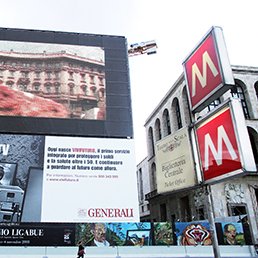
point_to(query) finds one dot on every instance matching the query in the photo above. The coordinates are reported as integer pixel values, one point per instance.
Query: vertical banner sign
(174, 162)
(222, 148)
(207, 70)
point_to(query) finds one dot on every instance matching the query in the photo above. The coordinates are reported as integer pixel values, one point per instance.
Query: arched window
(237, 92)
(166, 122)
(151, 142)
(177, 114)
(254, 143)
(157, 130)
(153, 176)
(256, 88)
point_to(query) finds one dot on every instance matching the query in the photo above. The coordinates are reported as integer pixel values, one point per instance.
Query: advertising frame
(242, 140)
(224, 67)
(118, 122)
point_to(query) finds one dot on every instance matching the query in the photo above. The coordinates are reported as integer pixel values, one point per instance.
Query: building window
(237, 92)
(178, 114)
(158, 129)
(70, 75)
(151, 142)
(10, 84)
(48, 89)
(153, 176)
(49, 75)
(214, 104)
(57, 89)
(57, 75)
(37, 75)
(1, 73)
(23, 86)
(25, 74)
(167, 122)
(256, 88)
(36, 87)
(141, 184)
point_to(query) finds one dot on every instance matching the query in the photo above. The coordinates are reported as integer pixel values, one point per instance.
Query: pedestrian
(80, 250)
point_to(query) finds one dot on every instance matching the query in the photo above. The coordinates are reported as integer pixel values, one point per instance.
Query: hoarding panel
(174, 162)
(207, 70)
(224, 144)
(63, 80)
(68, 179)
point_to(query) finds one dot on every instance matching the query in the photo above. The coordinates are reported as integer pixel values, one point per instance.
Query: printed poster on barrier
(114, 234)
(193, 233)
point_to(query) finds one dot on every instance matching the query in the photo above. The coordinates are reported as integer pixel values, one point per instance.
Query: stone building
(234, 197)
(74, 81)
(143, 186)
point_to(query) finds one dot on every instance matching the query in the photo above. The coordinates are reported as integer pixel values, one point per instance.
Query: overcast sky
(177, 26)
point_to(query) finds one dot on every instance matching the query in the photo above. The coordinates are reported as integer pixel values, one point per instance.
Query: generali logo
(106, 212)
(218, 145)
(202, 71)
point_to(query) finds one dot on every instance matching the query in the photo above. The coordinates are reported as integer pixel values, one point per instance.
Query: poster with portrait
(193, 233)
(233, 234)
(113, 234)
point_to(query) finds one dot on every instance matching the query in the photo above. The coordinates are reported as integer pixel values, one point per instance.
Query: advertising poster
(193, 233)
(174, 162)
(67, 179)
(114, 234)
(163, 233)
(37, 234)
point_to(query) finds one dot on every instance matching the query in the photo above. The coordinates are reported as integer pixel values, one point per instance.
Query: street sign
(207, 70)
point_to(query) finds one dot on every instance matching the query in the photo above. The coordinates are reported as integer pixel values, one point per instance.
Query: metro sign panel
(221, 141)
(207, 70)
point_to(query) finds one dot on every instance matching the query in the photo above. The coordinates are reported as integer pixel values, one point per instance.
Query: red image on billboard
(202, 71)
(218, 145)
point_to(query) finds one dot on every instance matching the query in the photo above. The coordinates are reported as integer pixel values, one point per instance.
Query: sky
(177, 27)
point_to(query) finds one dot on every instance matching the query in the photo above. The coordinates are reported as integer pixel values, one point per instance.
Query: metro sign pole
(208, 75)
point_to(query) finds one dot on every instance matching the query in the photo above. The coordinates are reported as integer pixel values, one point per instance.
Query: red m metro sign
(224, 145)
(207, 70)
(218, 145)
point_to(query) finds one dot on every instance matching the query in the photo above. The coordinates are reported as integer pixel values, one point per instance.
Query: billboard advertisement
(64, 83)
(207, 70)
(224, 144)
(67, 179)
(174, 160)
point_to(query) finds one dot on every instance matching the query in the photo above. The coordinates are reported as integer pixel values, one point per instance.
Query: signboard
(224, 144)
(207, 70)
(64, 84)
(67, 179)
(174, 162)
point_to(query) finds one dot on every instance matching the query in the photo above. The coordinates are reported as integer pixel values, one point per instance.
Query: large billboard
(224, 144)
(64, 84)
(174, 159)
(67, 179)
(207, 70)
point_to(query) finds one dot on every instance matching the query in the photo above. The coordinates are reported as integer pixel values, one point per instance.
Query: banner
(67, 179)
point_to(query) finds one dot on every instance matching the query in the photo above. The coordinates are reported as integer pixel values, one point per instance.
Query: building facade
(235, 197)
(143, 186)
(76, 82)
